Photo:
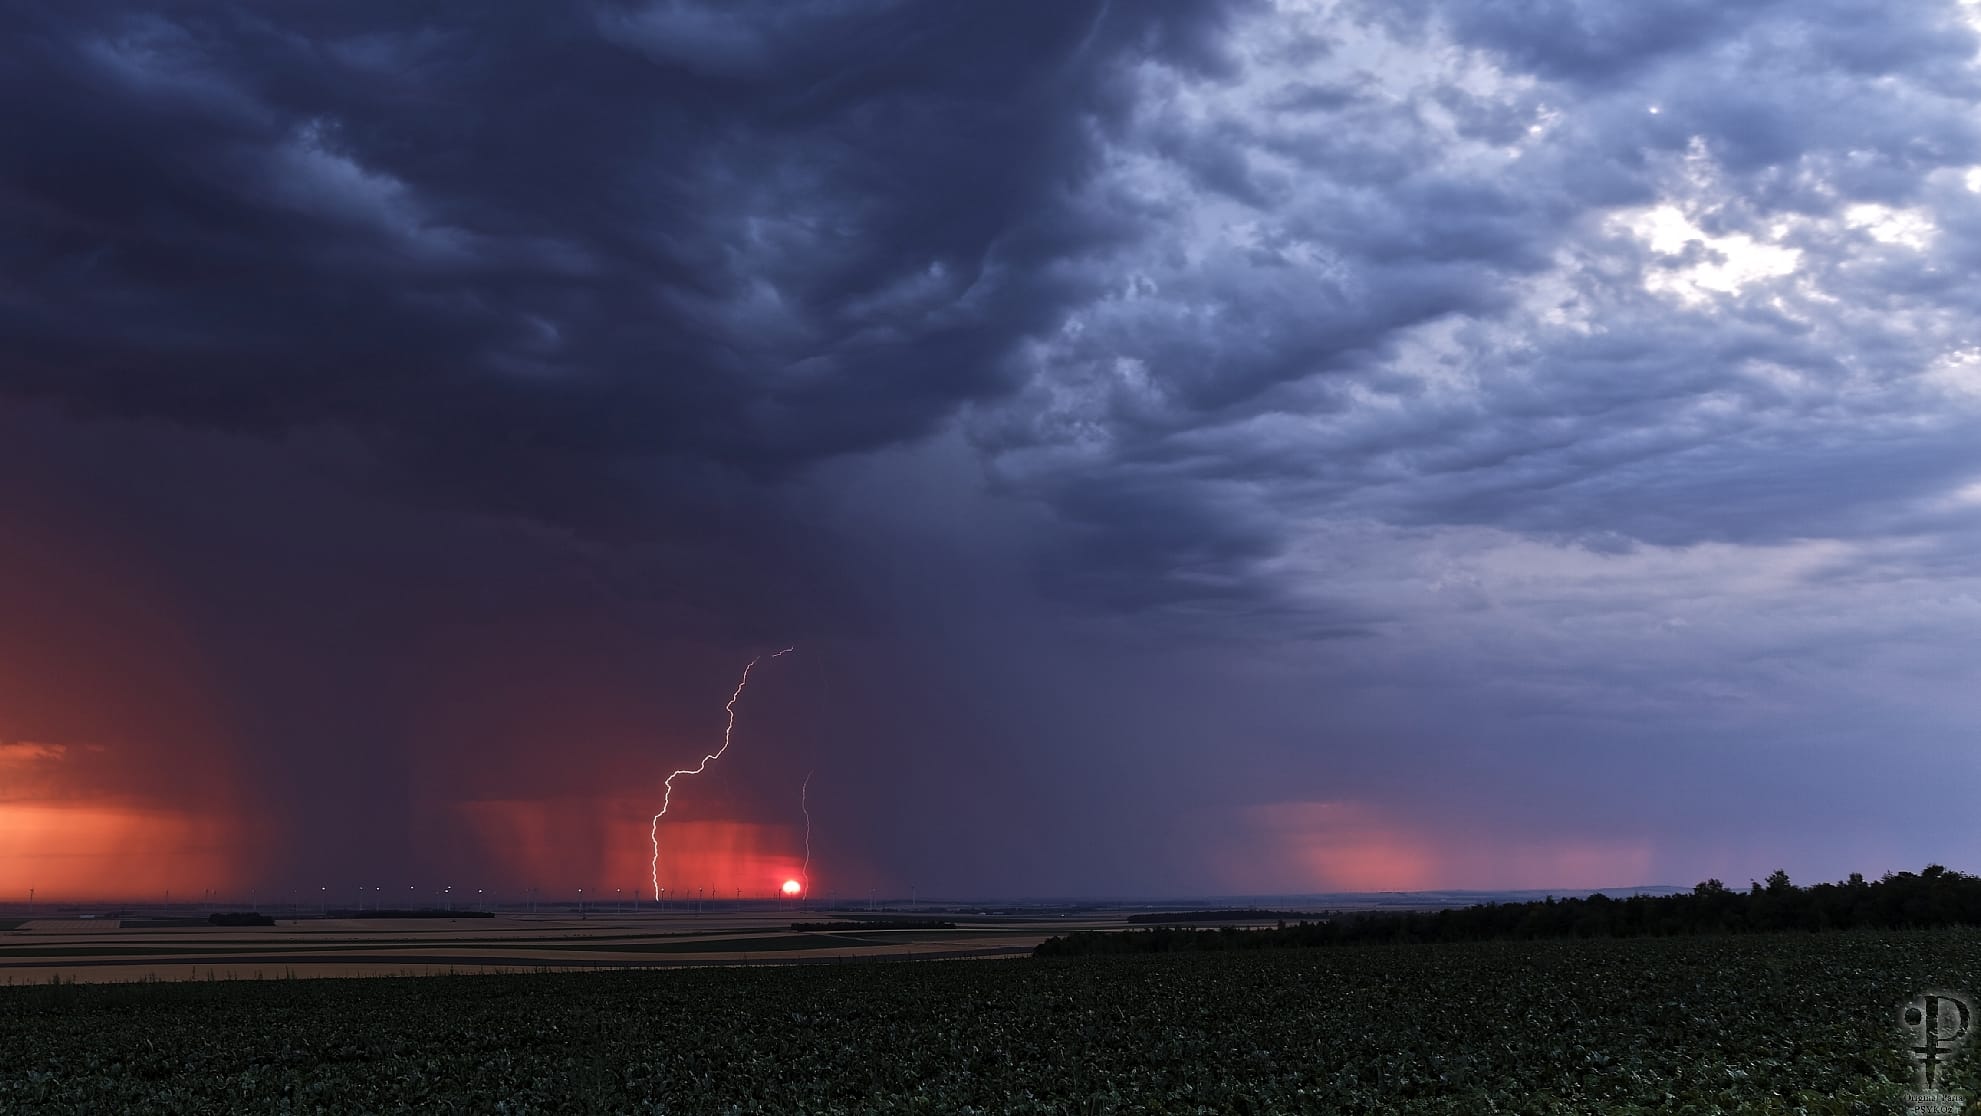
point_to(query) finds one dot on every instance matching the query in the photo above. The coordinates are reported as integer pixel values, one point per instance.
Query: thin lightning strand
(667, 796)
(805, 873)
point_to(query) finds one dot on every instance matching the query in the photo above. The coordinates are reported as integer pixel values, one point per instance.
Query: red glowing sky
(171, 725)
(1191, 460)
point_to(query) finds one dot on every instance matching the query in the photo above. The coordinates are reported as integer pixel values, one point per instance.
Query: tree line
(1936, 896)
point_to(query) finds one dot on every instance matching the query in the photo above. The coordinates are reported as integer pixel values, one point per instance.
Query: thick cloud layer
(1245, 446)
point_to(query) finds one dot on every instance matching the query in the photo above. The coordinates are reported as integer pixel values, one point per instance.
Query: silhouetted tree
(1937, 896)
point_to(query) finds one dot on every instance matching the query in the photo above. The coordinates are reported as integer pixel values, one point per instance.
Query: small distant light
(1655, 110)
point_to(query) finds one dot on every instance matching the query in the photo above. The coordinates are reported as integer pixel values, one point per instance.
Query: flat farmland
(1779, 1023)
(44, 950)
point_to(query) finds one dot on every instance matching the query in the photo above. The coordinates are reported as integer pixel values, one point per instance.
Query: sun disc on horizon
(792, 887)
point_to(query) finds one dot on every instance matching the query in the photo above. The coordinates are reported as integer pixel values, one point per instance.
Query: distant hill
(239, 918)
(429, 913)
(1225, 914)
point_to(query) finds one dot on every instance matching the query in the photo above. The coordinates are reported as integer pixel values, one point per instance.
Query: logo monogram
(1936, 1024)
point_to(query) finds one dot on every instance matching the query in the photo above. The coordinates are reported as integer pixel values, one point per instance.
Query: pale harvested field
(92, 950)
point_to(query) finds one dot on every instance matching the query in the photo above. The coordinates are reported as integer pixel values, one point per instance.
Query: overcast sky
(1208, 448)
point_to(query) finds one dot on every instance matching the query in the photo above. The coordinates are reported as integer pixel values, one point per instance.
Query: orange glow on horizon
(559, 845)
(792, 887)
(101, 851)
(118, 770)
(1354, 846)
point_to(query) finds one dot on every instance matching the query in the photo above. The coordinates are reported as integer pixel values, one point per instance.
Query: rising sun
(792, 887)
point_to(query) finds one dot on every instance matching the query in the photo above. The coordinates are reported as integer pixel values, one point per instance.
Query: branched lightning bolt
(805, 873)
(729, 730)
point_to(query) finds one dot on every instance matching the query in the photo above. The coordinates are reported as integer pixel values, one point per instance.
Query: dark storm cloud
(1600, 371)
(757, 235)
(454, 378)
(569, 264)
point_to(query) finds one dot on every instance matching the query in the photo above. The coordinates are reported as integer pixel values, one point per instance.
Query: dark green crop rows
(1702, 1025)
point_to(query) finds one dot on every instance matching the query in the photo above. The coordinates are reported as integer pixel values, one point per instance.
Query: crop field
(1776, 1024)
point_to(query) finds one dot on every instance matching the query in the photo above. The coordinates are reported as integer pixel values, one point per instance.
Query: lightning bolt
(805, 873)
(728, 731)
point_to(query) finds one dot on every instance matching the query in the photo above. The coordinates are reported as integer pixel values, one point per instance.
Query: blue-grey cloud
(1342, 390)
